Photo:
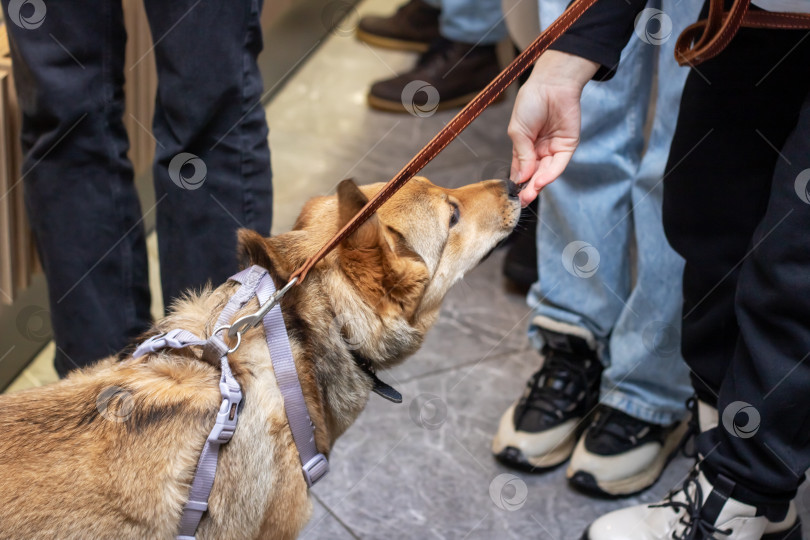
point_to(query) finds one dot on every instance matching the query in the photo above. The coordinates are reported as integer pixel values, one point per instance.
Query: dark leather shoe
(453, 72)
(412, 28)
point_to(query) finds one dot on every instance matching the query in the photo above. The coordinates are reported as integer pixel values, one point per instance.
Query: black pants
(737, 208)
(69, 72)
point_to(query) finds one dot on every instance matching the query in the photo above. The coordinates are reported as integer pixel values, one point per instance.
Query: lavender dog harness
(255, 281)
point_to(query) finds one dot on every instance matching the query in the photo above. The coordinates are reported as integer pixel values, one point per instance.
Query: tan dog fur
(110, 451)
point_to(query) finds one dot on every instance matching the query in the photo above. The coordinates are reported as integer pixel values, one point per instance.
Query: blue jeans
(604, 264)
(79, 191)
(470, 21)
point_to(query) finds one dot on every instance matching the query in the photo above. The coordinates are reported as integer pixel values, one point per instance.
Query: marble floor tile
(327, 524)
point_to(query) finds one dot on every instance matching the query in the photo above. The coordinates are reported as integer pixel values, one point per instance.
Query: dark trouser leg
(718, 180)
(742, 229)
(79, 192)
(208, 106)
(766, 449)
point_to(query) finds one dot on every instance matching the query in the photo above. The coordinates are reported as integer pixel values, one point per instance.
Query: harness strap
(314, 464)
(175, 339)
(228, 414)
(255, 281)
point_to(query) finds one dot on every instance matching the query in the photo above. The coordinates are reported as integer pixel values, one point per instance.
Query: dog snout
(512, 189)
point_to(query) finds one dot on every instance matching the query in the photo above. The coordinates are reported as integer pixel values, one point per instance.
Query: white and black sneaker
(619, 455)
(540, 430)
(699, 510)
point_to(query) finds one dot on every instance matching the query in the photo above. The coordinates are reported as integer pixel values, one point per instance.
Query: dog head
(381, 289)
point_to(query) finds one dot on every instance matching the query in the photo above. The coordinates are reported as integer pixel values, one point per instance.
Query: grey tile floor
(423, 469)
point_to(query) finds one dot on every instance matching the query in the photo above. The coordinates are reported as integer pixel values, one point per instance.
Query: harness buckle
(158, 342)
(228, 413)
(314, 469)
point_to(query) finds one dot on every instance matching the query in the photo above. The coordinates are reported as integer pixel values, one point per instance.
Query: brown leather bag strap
(707, 38)
(717, 31)
(469, 113)
(777, 20)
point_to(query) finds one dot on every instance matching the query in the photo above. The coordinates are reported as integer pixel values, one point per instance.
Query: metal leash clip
(238, 337)
(249, 321)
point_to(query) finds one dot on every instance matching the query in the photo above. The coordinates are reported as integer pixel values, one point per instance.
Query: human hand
(545, 120)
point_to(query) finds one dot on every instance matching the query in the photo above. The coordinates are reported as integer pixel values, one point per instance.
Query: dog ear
(253, 248)
(350, 201)
(372, 265)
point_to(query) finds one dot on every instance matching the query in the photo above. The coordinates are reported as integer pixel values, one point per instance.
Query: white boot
(707, 416)
(697, 511)
(789, 528)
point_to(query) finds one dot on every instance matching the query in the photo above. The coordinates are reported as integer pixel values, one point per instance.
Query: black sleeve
(601, 34)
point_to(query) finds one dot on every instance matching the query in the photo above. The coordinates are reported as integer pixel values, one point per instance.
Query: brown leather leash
(715, 33)
(705, 39)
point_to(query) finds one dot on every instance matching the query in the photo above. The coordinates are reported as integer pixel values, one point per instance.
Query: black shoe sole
(586, 484)
(514, 459)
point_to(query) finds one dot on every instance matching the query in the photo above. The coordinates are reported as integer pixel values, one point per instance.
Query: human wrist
(563, 69)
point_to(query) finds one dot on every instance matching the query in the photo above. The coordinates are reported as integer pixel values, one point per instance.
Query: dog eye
(455, 216)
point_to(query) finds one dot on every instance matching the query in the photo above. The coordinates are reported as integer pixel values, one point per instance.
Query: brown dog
(110, 451)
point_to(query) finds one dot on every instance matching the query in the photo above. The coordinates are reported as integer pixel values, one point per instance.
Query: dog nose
(512, 189)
